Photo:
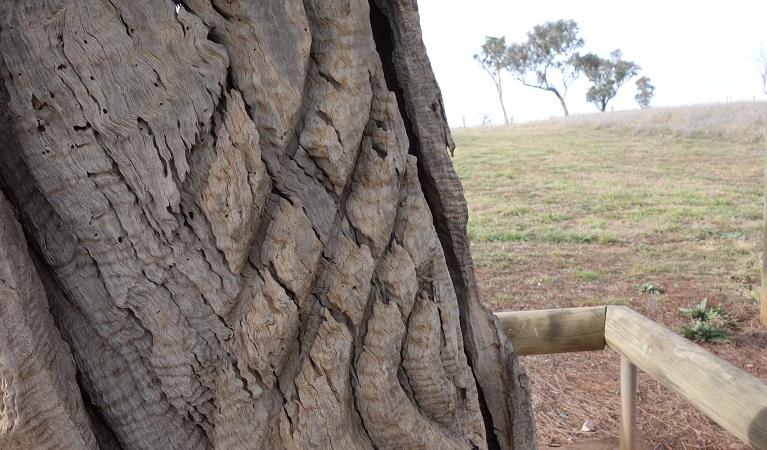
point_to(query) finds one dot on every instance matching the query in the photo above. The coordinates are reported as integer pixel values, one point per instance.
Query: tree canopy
(550, 60)
(606, 76)
(547, 59)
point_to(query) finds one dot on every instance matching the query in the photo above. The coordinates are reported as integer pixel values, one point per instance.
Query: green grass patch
(558, 236)
(585, 275)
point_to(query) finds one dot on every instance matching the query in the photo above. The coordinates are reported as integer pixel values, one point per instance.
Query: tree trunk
(500, 98)
(561, 102)
(244, 232)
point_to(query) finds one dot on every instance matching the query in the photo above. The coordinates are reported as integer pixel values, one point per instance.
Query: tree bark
(244, 232)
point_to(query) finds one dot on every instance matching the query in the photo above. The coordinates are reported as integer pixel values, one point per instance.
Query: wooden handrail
(727, 394)
(544, 331)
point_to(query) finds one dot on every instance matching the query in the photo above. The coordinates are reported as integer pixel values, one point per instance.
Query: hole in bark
(191, 215)
(52, 95)
(36, 103)
(143, 125)
(379, 151)
(61, 66)
(120, 239)
(104, 110)
(81, 128)
(41, 128)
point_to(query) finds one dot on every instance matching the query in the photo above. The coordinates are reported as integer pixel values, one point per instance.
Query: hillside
(591, 210)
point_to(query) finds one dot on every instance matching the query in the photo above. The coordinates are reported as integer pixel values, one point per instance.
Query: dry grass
(581, 211)
(742, 121)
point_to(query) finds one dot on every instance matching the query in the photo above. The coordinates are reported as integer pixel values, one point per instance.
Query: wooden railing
(727, 394)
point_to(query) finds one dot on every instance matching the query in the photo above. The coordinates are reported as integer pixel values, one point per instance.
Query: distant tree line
(549, 60)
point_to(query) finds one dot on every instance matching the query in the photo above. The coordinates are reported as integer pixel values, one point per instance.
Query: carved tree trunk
(243, 230)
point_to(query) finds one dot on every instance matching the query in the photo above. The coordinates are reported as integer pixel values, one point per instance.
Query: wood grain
(555, 330)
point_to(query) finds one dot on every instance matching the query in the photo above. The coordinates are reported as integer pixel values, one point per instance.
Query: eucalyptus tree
(493, 60)
(606, 76)
(546, 60)
(645, 92)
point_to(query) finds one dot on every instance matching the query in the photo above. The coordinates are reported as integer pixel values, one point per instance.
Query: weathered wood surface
(40, 404)
(628, 404)
(249, 229)
(763, 292)
(546, 331)
(729, 395)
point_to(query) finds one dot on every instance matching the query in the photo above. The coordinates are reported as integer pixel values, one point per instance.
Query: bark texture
(247, 231)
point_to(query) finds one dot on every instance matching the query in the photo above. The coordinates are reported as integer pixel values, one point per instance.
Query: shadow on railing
(727, 394)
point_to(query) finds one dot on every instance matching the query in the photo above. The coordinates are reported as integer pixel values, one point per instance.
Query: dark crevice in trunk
(382, 35)
(385, 44)
(487, 419)
(384, 40)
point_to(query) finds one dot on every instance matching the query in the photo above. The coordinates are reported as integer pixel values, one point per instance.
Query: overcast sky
(694, 52)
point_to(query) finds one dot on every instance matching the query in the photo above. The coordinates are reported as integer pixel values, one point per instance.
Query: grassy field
(585, 210)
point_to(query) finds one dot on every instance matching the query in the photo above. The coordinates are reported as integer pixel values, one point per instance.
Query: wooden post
(628, 404)
(547, 331)
(763, 293)
(732, 397)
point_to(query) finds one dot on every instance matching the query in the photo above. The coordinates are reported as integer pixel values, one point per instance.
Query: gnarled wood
(250, 230)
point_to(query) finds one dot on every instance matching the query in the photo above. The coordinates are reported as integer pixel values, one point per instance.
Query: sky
(694, 52)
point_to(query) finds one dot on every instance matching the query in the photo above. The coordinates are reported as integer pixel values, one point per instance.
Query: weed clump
(708, 324)
(650, 288)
